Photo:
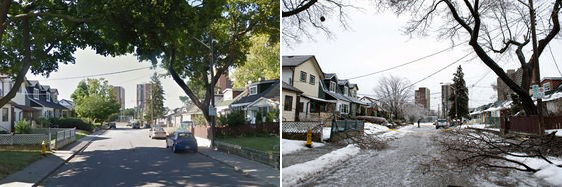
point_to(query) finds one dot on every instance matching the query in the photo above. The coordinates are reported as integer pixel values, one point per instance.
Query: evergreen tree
(460, 97)
(155, 102)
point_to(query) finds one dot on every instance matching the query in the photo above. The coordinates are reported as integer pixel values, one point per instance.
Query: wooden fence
(529, 124)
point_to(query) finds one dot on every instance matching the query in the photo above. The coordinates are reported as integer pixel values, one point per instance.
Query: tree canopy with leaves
(94, 99)
(261, 62)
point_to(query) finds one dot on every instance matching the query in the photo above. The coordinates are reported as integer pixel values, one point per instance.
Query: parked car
(157, 132)
(112, 125)
(135, 125)
(181, 141)
(441, 123)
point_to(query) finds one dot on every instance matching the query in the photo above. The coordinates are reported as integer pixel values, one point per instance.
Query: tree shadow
(146, 166)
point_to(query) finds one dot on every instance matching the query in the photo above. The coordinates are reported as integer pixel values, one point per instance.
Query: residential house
(69, 108)
(260, 97)
(372, 107)
(289, 99)
(304, 73)
(345, 93)
(16, 109)
(43, 98)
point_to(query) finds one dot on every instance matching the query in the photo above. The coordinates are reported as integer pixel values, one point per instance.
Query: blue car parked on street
(181, 141)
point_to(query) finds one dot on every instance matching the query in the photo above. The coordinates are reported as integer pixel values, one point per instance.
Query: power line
(97, 75)
(440, 69)
(416, 60)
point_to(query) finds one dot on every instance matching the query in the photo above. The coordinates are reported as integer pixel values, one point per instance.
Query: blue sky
(376, 41)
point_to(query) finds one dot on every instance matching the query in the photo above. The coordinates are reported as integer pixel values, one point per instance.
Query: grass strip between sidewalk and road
(14, 161)
(81, 134)
(267, 144)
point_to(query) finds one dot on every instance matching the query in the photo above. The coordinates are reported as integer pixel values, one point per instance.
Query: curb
(237, 169)
(69, 158)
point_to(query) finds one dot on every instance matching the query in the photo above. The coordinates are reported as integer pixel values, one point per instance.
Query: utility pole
(212, 104)
(536, 67)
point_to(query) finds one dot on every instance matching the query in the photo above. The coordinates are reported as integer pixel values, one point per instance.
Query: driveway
(127, 157)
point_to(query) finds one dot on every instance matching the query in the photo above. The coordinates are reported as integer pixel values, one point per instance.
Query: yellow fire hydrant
(43, 148)
(309, 138)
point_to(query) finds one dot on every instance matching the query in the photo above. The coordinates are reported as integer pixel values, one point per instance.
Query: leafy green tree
(460, 98)
(262, 62)
(94, 100)
(155, 102)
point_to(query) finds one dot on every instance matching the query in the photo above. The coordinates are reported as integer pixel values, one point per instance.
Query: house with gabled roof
(289, 96)
(44, 98)
(260, 97)
(304, 73)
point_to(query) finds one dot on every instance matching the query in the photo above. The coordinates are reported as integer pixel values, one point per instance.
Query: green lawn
(268, 144)
(13, 161)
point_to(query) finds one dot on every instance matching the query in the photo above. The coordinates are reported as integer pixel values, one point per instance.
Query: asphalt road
(127, 157)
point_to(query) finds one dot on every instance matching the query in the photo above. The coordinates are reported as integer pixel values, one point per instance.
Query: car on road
(135, 125)
(181, 141)
(112, 125)
(441, 123)
(157, 133)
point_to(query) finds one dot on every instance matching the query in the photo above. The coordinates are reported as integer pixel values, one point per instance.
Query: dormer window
(253, 90)
(35, 93)
(48, 97)
(345, 90)
(332, 86)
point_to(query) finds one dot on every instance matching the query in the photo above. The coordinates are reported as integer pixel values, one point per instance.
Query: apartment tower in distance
(143, 94)
(119, 93)
(423, 97)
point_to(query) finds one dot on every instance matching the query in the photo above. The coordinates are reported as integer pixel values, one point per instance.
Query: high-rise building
(504, 92)
(143, 94)
(423, 97)
(446, 93)
(119, 93)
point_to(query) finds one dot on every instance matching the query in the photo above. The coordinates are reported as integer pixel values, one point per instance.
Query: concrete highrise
(119, 93)
(423, 97)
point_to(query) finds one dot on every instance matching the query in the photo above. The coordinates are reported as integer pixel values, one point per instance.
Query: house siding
(289, 115)
(306, 87)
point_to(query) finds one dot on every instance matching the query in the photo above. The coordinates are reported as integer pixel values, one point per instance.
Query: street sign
(541, 93)
(535, 89)
(212, 111)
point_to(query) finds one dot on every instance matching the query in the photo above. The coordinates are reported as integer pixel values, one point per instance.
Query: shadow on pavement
(145, 166)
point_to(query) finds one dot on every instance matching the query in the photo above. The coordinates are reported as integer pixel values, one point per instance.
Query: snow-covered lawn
(326, 133)
(549, 172)
(290, 146)
(372, 128)
(294, 174)
(558, 133)
(479, 126)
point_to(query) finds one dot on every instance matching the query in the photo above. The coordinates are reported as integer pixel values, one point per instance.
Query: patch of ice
(290, 146)
(297, 173)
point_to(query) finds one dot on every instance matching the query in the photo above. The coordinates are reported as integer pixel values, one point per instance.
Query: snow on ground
(290, 146)
(558, 133)
(549, 172)
(373, 128)
(479, 126)
(294, 174)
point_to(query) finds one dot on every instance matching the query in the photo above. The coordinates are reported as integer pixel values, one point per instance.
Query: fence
(269, 158)
(64, 137)
(530, 124)
(248, 129)
(297, 130)
(345, 128)
(23, 139)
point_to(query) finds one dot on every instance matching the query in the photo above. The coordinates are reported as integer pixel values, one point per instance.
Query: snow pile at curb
(294, 174)
(479, 126)
(558, 133)
(549, 172)
(291, 146)
(372, 128)
(326, 133)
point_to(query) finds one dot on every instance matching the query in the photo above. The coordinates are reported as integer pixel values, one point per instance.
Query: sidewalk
(265, 173)
(41, 169)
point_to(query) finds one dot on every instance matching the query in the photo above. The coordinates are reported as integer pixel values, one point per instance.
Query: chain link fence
(297, 130)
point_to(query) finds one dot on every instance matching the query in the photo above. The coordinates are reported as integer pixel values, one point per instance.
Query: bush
(43, 122)
(272, 116)
(235, 118)
(259, 118)
(74, 122)
(23, 127)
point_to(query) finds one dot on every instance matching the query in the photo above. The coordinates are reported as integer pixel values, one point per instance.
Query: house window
(291, 81)
(332, 86)
(48, 97)
(301, 107)
(303, 76)
(313, 107)
(345, 91)
(35, 93)
(288, 103)
(5, 114)
(253, 90)
(312, 79)
(546, 86)
(1, 88)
